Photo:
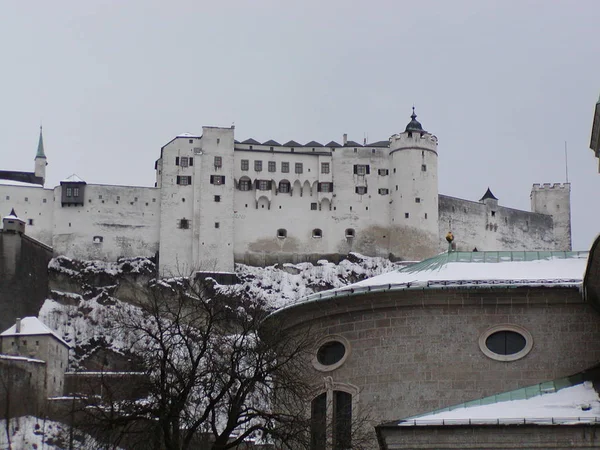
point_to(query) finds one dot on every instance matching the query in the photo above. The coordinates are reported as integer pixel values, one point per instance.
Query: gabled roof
(32, 326)
(251, 141)
(332, 144)
(271, 142)
(352, 144)
(72, 179)
(488, 194)
(379, 144)
(313, 144)
(12, 215)
(292, 144)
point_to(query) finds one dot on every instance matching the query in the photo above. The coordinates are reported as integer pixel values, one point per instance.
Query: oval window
(330, 353)
(505, 342)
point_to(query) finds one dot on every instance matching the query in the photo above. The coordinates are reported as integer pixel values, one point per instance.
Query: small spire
(40, 150)
(12, 212)
(414, 124)
(413, 115)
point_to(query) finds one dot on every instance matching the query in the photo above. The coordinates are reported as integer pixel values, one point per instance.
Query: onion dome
(414, 124)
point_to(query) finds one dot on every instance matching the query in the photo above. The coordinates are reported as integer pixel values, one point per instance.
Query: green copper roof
(487, 257)
(525, 393)
(40, 150)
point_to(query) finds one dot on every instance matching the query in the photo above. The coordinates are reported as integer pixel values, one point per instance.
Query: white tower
(40, 160)
(414, 192)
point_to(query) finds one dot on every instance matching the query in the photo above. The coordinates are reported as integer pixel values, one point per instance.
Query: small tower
(489, 199)
(12, 224)
(40, 159)
(414, 192)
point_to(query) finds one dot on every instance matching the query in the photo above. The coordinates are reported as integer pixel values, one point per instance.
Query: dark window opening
(217, 225)
(318, 422)
(493, 213)
(282, 233)
(184, 224)
(313, 207)
(317, 233)
(350, 233)
(330, 353)
(217, 198)
(406, 215)
(505, 342)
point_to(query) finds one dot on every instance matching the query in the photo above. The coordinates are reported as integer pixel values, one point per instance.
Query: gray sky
(502, 84)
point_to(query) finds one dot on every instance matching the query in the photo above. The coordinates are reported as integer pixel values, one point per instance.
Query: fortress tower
(555, 200)
(414, 192)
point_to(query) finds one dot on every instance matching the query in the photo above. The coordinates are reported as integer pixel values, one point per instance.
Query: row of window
(27, 199)
(317, 233)
(285, 166)
(72, 192)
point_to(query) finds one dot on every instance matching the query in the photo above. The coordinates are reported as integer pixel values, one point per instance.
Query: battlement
(548, 186)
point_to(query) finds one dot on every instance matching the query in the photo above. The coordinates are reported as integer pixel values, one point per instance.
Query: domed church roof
(414, 124)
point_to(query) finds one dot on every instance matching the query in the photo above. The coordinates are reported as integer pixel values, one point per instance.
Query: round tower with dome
(414, 191)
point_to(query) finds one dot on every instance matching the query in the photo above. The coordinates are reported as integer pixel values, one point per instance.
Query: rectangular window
(272, 166)
(183, 161)
(184, 224)
(384, 191)
(313, 206)
(29, 221)
(263, 185)
(245, 164)
(184, 180)
(360, 190)
(244, 185)
(406, 215)
(361, 169)
(257, 166)
(423, 168)
(76, 192)
(325, 187)
(299, 168)
(325, 167)
(285, 167)
(191, 160)
(384, 172)
(69, 192)
(417, 200)
(217, 225)
(217, 179)
(218, 161)
(217, 198)
(177, 160)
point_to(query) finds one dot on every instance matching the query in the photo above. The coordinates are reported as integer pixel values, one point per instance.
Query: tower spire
(40, 149)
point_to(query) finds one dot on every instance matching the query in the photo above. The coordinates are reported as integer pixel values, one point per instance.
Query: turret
(40, 159)
(414, 192)
(555, 200)
(12, 224)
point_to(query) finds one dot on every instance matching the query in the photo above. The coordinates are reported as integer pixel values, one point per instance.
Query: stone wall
(415, 351)
(22, 386)
(497, 437)
(23, 276)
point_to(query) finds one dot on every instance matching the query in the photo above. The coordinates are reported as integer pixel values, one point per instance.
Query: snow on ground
(282, 284)
(29, 432)
(571, 405)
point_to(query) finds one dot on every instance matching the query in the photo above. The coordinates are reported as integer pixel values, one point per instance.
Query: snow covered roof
(474, 270)
(188, 135)
(12, 215)
(19, 183)
(564, 401)
(32, 326)
(72, 179)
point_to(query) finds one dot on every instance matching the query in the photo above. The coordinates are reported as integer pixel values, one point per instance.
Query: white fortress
(218, 201)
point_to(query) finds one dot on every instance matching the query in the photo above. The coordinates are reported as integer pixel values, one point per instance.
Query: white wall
(31, 203)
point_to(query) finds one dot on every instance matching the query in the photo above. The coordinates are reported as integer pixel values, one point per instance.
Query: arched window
(284, 186)
(245, 184)
(282, 233)
(317, 233)
(350, 233)
(336, 428)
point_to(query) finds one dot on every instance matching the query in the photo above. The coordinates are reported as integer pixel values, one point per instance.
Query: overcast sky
(502, 84)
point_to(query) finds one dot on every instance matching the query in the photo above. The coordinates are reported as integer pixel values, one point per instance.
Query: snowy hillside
(85, 318)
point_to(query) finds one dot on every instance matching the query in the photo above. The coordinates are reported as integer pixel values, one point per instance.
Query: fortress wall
(115, 221)
(34, 205)
(488, 227)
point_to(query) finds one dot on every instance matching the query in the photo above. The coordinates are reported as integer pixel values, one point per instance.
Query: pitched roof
(573, 398)
(292, 144)
(32, 326)
(72, 179)
(251, 141)
(332, 144)
(379, 144)
(488, 194)
(40, 149)
(313, 144)
(12, 215)
(352, 144)
(271, 142)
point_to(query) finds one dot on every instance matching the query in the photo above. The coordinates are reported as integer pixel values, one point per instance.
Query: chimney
(18, 325)
(345, 139)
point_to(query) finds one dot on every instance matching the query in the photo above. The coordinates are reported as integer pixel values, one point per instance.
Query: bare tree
(214, 371)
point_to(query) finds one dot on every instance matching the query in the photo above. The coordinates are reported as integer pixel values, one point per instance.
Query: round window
(506, 342)
(330, 353)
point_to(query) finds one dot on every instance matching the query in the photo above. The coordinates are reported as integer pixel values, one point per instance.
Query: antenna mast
(566, 163)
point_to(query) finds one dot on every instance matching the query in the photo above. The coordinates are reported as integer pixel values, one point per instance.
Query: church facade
(217, 201)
